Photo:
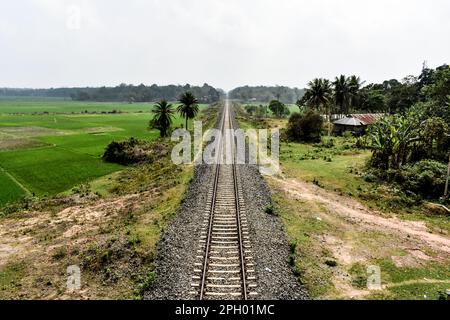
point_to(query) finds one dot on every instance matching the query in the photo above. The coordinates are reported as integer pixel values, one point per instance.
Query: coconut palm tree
(341, 94)
(354, 87)
(162, 117)
(318, 95)
(189, 106)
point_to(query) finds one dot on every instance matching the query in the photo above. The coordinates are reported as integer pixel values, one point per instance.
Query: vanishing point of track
(224, 267)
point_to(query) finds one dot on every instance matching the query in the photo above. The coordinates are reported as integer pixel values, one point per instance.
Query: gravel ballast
(177, 249)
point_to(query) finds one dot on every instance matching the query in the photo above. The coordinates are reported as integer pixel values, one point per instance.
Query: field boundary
(28, 192)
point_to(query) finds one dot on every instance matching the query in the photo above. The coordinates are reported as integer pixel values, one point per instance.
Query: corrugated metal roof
(350, 121)
(368, 118)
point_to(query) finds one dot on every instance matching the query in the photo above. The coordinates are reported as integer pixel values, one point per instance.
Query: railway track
(224, 267)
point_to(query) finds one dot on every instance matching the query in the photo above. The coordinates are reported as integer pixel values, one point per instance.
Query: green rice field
(47, 146)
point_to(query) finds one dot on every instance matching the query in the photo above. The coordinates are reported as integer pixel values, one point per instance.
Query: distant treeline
(123, 92)
(267, 94)
(52, 93)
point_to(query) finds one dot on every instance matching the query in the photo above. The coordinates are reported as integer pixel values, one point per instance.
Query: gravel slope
(176, 250)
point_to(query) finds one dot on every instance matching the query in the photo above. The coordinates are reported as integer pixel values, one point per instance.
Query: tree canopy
(123, 93)
(266, 94)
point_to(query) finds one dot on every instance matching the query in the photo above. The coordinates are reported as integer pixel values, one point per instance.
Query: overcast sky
(226, 43)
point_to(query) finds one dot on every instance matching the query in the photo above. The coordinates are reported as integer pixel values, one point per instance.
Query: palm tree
(318, 94)
(189, 106)
(354, 87)
(162, 119)
(341, 94)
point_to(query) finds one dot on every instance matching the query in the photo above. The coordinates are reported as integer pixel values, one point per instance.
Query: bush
(278, 109)
(328, 143)
(250, 109)
(426, 178)
(270, 209)
(347, 135)
(134, 151)
(305, 127)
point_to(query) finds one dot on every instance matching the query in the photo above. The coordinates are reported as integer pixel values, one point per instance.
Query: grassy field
(45, 154)
(60, 105)
(332, 168)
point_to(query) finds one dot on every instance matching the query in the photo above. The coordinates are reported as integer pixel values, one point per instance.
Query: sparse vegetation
(319, 237)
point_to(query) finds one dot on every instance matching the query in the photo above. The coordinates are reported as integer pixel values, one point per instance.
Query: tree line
(410, 145)
(122, 93)
(345, 94)
(265, 94)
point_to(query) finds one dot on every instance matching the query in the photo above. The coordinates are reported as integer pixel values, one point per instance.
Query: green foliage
(318, 95)
(266, 94)
(133, 151)
(359, 275)
(82, 190)
(426, 178)
(278, 108)
(328, 143)
(270, 209)
(331, 263)
(392, 139)
(261, 111)
(434, 134)
(373, 100)
(346, 93)
(304, 127)
(405, 144)
(123, 92)
(10, 276)
(24, 203)
(439, 87)
(188, 108)
(145, 283)
(162, 119)
(250, 109)
(60, 253)
(342, 94)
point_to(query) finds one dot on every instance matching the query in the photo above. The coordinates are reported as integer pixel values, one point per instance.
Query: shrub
(250, 109)
(331, 263)
(145, 283)
(270, 209)
(347, 135)
(370, 178)
(135, 151)
(82, 190)
(426, 178)
(328, 143)
(305, 127)
(278, 108)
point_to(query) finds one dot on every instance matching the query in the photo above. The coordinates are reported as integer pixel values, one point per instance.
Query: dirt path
(351, 209)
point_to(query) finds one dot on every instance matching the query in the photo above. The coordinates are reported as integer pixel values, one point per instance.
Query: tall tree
(278, 108)
(319, 95)
(188, 108)
(341, 94)
(162, 117)
(354, 87)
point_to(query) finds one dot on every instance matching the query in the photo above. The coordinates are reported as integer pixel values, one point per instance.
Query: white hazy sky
(226, 43)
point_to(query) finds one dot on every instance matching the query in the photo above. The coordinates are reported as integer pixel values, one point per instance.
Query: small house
(356, 123)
